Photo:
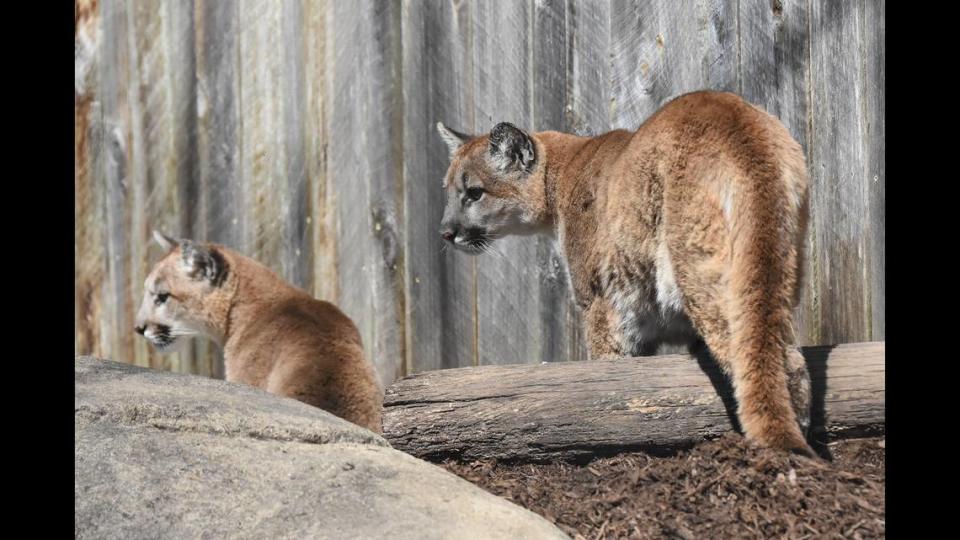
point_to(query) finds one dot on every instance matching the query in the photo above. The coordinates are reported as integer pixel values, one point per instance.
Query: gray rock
(160, 455)
(127, 395)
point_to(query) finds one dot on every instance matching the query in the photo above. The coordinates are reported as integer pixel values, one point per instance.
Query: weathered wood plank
(263, 153)
(578, 410)
(774, 60)
(719, 30)
(507, 314)
(322, 213)
(588, 67)
(162, 179)
(437, 86)
(365, 144)
(548, 65)
(89, 210)
(296, 258)
(218, 135)
(179, 35)
(561, 332)
(774, 64)
(659, 50)
(874, 136)
(117, 337)
(273, 101)
(839, 287)
(219, 121)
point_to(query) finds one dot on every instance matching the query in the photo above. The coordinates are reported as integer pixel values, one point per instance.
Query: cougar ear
(454, 139)
(203, 262)
(511, 148)
(167, 243)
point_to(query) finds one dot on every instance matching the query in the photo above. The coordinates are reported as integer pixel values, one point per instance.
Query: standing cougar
(689, 228)
(274, 336)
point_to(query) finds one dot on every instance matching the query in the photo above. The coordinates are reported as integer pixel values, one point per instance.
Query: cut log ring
(573, 411)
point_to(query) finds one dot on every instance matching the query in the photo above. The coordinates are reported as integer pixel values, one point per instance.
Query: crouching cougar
(274, 335)
(690, 228)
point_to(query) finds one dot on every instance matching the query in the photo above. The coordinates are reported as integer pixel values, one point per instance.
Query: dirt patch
(725, 488)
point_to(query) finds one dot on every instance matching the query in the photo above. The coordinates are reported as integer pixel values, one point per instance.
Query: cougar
(688, 230)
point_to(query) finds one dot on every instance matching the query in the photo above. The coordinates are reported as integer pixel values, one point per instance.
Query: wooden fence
(302, 133)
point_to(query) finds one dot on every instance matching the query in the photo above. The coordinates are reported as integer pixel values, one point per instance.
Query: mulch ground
(725, 488)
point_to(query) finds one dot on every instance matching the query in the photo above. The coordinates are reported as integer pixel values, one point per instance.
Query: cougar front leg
(603, 340)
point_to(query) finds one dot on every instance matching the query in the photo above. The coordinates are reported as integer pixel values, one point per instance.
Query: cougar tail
(767, 241)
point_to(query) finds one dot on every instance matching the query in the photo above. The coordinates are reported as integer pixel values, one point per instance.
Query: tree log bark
(574, 411)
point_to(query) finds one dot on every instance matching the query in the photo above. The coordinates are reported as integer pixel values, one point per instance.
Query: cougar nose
(140, 329)
(448, 234)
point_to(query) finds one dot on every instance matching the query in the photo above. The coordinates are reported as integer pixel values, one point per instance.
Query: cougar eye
(161, 298)
(474, 193)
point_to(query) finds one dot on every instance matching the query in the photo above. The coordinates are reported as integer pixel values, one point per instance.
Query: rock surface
(160, 455)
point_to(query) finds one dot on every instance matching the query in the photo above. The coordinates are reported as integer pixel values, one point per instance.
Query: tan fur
(691, 227)
(274, 336)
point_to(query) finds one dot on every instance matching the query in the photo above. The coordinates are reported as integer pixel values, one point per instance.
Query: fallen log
(572, 411)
